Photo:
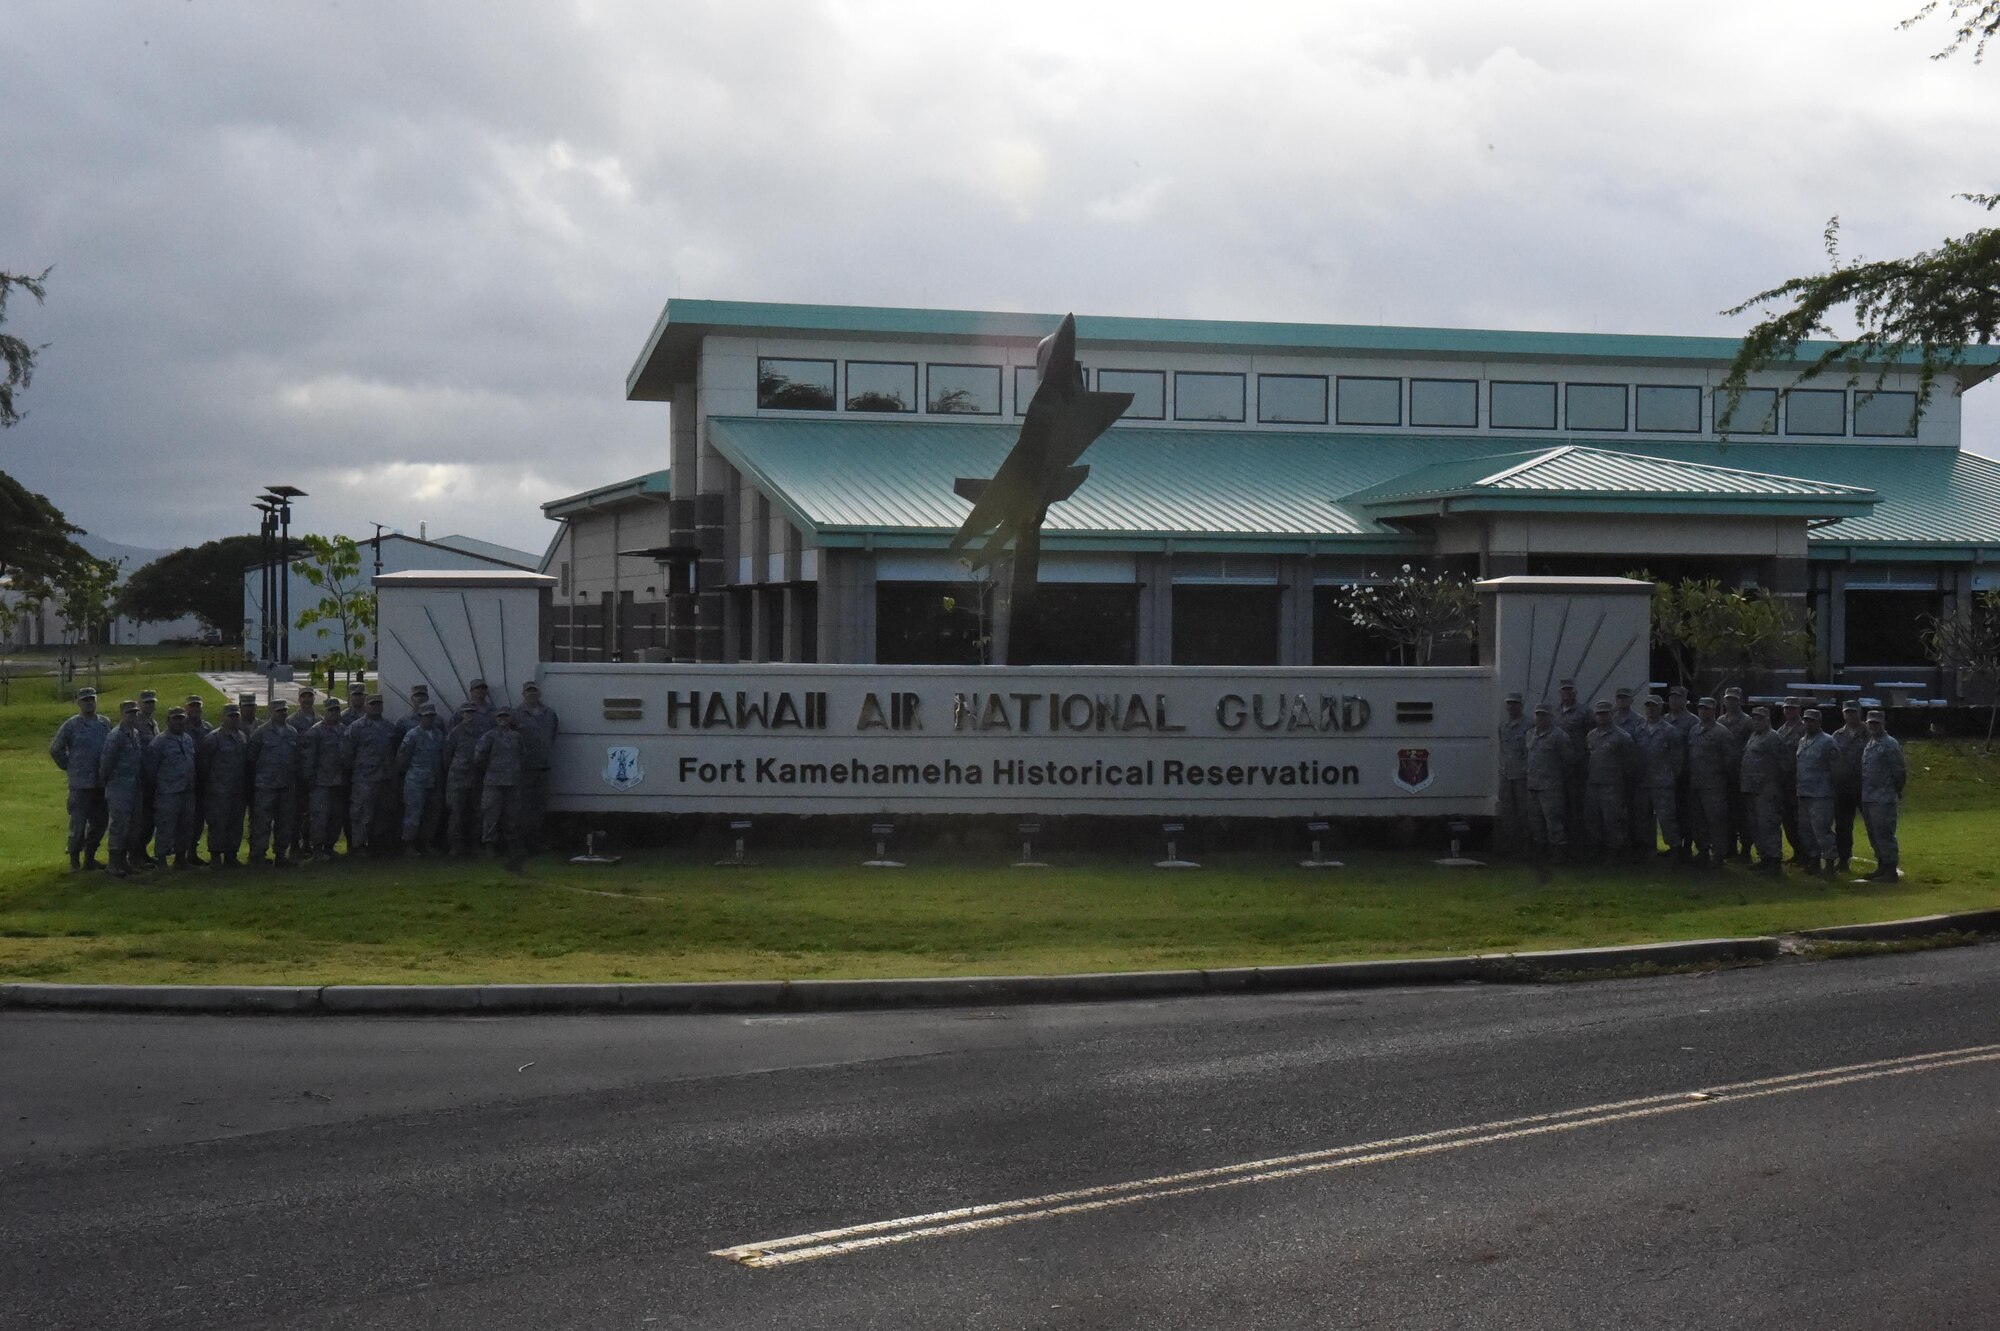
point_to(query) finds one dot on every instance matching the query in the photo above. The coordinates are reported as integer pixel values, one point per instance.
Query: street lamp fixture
(282, 496)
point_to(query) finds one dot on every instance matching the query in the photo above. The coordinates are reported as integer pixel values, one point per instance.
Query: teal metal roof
(669, 350)
(1572, 477)
(886, 482)
(654, 484)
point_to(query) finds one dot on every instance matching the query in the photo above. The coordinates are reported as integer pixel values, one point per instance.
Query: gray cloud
(403, 255)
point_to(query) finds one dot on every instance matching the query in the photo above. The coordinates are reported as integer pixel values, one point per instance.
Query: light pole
(283, 495)
(266, 526)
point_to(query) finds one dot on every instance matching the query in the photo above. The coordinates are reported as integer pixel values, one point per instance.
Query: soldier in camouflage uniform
(370, 746)
(1607, 776)
(120, 770)
(272, 759)
(75, 749)
(1712, 759)
(1682, 718)
(142, 822)
(1661, 750)
(1792, 729)
(421, 759)
(1761, 777)
(500, 762)
(1852, 738)
(1575, 721)
(1883, 776)
(169, 771)
(324, 757)
(224, 772)
(537, 724)
(461, 787)
(1814, 759)
(1511, 820)
(1545, 758)
(304, 717)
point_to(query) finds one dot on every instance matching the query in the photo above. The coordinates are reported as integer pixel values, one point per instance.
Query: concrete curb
(834, 995)
(1919, 926)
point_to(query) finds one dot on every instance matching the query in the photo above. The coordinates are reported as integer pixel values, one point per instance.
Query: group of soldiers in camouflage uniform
(1703, 786)
(303, 780)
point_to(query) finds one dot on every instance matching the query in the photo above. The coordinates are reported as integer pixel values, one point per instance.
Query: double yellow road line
(1078, 1201)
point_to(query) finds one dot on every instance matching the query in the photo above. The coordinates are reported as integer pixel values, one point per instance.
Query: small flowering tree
(1416, 610)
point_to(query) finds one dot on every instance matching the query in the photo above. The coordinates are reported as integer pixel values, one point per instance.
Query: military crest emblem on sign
(621, 767)
(1413, 769)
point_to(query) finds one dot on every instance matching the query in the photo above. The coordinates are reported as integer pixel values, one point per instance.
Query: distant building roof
(653, 485)
(472, 545)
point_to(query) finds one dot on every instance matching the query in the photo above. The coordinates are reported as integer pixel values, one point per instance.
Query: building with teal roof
(1263, 467)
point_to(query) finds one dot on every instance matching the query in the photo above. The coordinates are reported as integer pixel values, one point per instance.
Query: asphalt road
(1795, 1145)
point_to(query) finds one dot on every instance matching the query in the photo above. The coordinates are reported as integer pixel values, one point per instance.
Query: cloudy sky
(402, 254)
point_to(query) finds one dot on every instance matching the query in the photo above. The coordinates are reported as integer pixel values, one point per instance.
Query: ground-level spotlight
(881, 832)
(1456, 860)
(1318, 829)
(1173, 832)
(739, 828)
(1029, 829)
(596, 850)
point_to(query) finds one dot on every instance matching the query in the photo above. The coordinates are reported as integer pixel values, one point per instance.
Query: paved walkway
(233, 684)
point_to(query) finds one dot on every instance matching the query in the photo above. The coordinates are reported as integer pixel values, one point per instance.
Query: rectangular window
(962, 390)
(1659, 409)
(1360, 400)
(877, 385)
(1595, 406)
(1519, 406)
(1026, 380)
(1147, 387)
(1225, 625)
(1200, 396)
(562, 588)
(1209, 396)
(1885, 628)
(1756, 412)
(1885, 415)
(794, 385)
(1291, 399)
(1815, 411)
(1452, 403)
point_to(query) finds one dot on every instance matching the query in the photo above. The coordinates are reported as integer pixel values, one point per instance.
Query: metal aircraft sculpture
(1062, 420)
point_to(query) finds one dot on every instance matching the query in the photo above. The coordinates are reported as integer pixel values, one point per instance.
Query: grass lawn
(669, 915)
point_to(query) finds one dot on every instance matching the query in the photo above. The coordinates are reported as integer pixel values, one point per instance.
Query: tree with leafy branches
(17, 356)
(1927, 307)
(1968, 641)
(205, 581)
(1709, 631)
(1416, 611)
(347, 606)
(83, 598)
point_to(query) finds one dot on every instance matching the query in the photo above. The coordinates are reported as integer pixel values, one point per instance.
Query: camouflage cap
(247, 699)
(1706, 702)
(83, 693)
(1850, 707)
(506, 712)
(374, 700)
(306, 691)
(423, 689)
(1732, 692)
(1566, 684)
(1795, 702)
(428, 709)
(1622, 693)
(147, 695)
(1874, 716)
(280, 705)
(1810, 714)
(1655, 700)
(176, 713)
(332, 705)
(1543, 709)
(1677, 692)
(129, 707)
(353, 689)
(1601, 706)
(194, 700)
(232, 710)
(1762, 711)
(1512, 697)
(476, 684)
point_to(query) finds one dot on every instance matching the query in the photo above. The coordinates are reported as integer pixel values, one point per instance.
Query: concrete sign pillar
(1537, 632)
(446, 629)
